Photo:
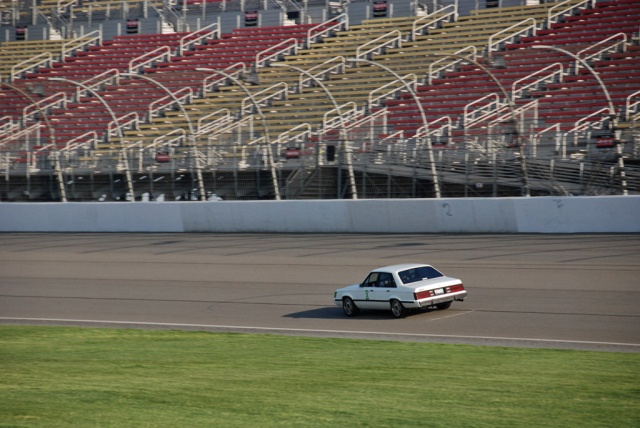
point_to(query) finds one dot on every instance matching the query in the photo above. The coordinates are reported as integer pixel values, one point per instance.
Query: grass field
(62, 377)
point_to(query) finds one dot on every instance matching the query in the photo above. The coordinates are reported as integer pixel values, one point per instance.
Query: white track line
(305, 330)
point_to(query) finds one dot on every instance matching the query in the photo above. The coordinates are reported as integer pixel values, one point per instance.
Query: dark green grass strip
(62, 377)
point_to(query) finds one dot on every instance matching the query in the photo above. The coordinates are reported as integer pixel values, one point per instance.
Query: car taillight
(423, 294)
(455, 288)
(438, 291)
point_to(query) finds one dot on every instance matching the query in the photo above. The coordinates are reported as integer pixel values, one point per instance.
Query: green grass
(61, 377)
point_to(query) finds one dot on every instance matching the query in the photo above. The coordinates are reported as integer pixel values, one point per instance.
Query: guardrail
(390, 39)
(8, 126)
(457, 57)
(342, 114)
(445, 129)
(298, 134)
(384, 91)
(324, 68)
(212, 81)
(340, 22)
(109, 77)
(184, 95)
(147, 59)
(600, 48)
(44, 59)
(232, 131)
(211, 31)
(380, 164)
(487, 106)
(555, 12)
(529, 28)
(26, 132)
(58, 99)
(276, 91)
(433, 19)
(91, 39)
(630, 105)
(177, 137)
(289, 47)
(91, 138)
(581, 126)
(550, 73)
(206, 125)
(128, 121)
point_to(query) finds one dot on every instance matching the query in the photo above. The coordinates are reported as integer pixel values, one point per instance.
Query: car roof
(399, 267)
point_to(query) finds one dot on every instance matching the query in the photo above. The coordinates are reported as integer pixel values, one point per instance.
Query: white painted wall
(605, 214)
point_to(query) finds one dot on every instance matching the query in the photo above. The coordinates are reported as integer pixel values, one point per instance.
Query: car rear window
(418, 274)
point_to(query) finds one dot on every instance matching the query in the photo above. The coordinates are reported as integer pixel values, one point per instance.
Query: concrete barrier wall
(607, 214)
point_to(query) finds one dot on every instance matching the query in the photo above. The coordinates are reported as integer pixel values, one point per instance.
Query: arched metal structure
(612, 110)
(507, 97)
(274, 175)
(52, 135)
(113, 118)
(586, 65)
(433, 169)
(343, 126)
(203, 196)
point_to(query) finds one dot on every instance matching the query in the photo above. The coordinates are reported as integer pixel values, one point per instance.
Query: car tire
(397, 309)
(350, 309)
(443, 306)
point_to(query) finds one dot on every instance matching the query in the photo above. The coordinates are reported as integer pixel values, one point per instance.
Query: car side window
(386, 280)
(371, 281)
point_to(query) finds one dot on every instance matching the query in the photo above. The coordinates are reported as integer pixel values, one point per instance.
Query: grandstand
(201, 100)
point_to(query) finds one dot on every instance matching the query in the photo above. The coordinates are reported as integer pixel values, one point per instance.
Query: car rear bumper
(432, 301)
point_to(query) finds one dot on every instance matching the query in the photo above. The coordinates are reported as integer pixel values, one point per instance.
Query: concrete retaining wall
(607, 214)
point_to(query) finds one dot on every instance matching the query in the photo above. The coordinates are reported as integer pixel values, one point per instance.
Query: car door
(383, 290)
(376, 290)
(366, 294)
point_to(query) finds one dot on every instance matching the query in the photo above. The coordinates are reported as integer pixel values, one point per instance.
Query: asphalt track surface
(554, 291)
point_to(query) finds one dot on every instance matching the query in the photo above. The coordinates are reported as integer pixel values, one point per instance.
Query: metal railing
(479, 110)
(448, 13)
(555, 12)
(321, 71)
(160, 54)
(211, 82)
(335, 117)
(44, 59)
(526, 27)
(448, 63)
(57, 100)
(597, 50)
(391, 39)
(340, 22)
(285, 47)
(278, 91)
(391, 90)
(93, 38)
(211, 31)
(551, 73)
(391, 167)
(184, 96)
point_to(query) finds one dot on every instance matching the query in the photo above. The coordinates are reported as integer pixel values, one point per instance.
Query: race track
(561, 291)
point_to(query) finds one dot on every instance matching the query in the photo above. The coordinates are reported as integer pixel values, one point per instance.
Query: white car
(400, 288)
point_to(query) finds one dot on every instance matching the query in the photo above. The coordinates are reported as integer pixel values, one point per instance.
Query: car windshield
(418, 274)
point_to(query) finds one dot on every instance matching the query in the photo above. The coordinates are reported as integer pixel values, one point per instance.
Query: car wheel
(397, 309)
(443, 306)
(350, 309)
